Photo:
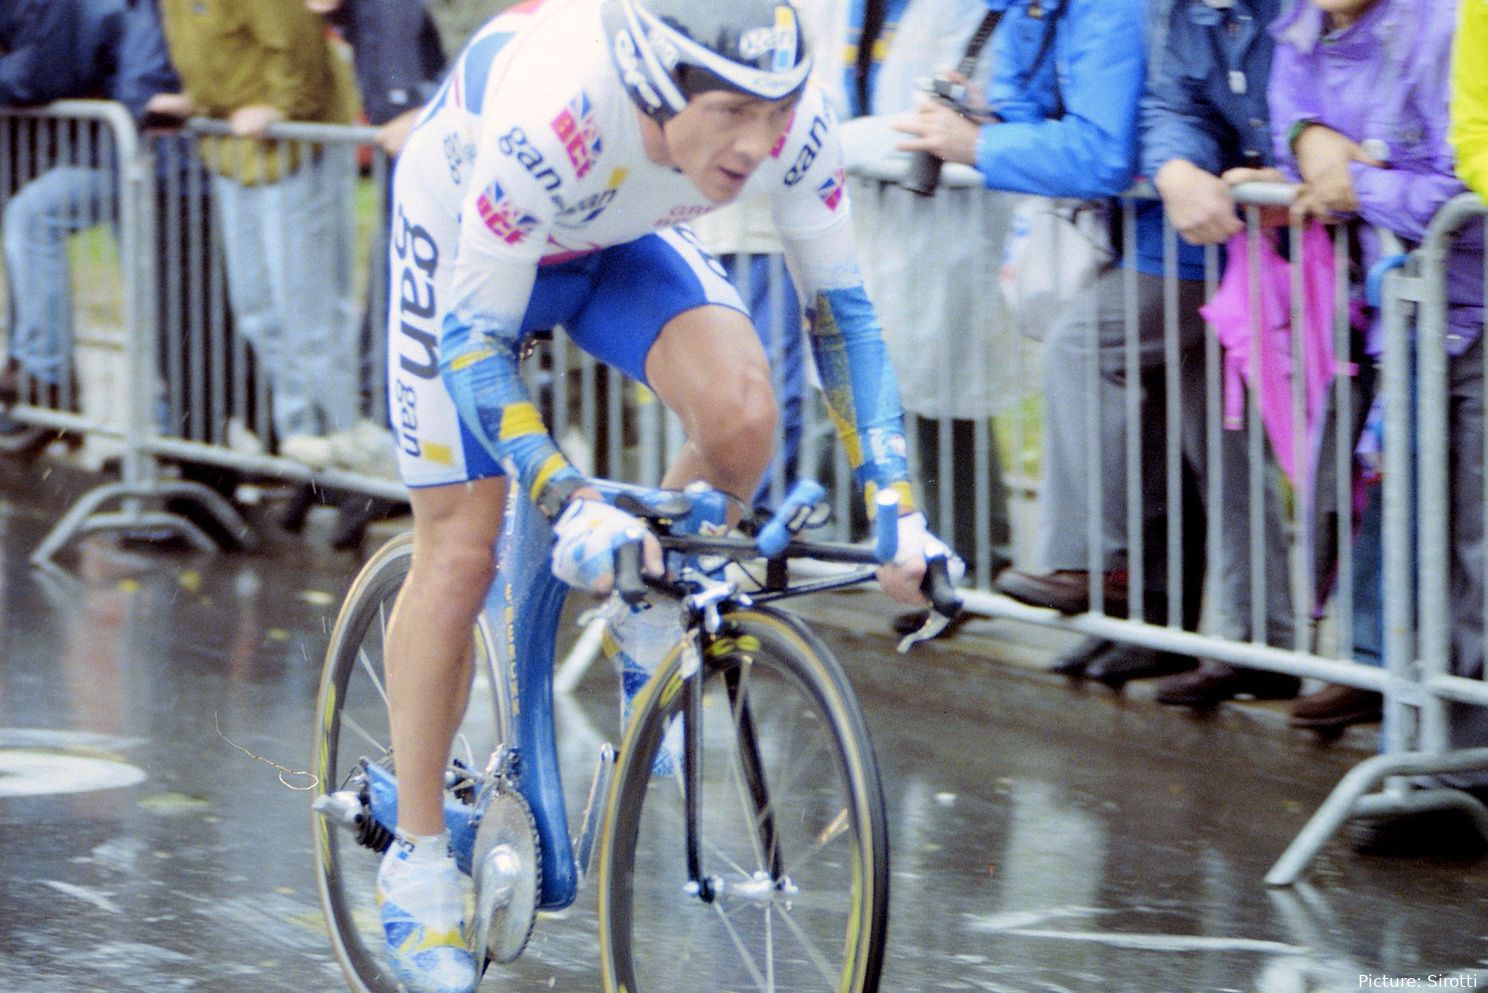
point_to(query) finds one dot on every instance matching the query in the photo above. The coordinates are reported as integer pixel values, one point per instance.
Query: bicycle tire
(351, 723)
(833, 835)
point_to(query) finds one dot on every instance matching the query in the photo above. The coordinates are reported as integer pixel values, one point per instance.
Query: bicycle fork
(767, 882)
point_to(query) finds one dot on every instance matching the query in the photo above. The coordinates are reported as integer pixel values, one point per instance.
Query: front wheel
(792, 892)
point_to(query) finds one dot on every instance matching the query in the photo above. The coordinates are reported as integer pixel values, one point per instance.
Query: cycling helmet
(668, 51)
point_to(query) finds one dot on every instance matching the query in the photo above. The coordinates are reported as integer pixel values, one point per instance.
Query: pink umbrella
(1229, 312)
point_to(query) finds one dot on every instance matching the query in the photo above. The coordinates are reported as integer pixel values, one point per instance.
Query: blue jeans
(38, 221)
(288, 251)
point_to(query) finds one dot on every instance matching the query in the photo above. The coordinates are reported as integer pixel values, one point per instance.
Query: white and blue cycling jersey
(524, 199)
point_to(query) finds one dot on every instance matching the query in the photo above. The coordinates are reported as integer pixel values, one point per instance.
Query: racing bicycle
(760, 862)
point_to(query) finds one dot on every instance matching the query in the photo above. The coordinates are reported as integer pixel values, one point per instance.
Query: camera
(923, 174)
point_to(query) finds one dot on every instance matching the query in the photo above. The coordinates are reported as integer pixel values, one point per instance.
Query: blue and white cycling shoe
(420, 896)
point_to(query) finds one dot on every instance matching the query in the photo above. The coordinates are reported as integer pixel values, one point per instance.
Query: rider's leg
(709, 369)
(664, 312)
(429, 645)
(428, 651)
(707, 366)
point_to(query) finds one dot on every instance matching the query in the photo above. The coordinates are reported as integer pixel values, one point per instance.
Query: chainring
(505, 851)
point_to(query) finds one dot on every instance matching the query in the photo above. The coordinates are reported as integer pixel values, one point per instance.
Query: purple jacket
(1383, 81)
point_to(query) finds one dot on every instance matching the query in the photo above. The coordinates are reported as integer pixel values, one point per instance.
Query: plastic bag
(1055, 250)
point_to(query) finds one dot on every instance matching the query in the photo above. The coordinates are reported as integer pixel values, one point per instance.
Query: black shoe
(1212, 683)
(292, 519)
(912, 620)
(20, 440)
(1117, 668)
(1449, 833)
(224, 537)
(1075, 662)
(355, 513)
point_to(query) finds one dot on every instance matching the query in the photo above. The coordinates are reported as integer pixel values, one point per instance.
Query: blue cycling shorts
(612, 302)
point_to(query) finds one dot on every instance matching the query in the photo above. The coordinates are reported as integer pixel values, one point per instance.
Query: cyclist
(548, 182)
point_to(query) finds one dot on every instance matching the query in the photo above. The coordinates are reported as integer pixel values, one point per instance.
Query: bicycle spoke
(770, 946)
(680, 825)
(835, 829)
(347, 721)
(798, 764)
(372, 674)
(723, 856)
(691, 939)
(733, 933)
(753, 814)
(812, 952)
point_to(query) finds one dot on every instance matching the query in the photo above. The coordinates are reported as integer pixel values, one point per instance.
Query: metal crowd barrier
(76, 163)
(1421, 693)
(1415, 683)
(193, 386)
(72, 167)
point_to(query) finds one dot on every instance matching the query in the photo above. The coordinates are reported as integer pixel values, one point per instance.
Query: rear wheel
(352, 726)
(793, 841)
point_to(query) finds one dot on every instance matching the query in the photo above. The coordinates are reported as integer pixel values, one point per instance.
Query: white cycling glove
(585, 537)
(916, 542)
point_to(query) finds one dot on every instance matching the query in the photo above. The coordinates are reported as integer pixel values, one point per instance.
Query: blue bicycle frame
(524, 606)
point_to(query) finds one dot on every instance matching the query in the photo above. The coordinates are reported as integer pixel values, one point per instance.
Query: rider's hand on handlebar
(902, 577)
(585, 537)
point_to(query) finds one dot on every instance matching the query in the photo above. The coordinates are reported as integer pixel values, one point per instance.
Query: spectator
(1204, 112)
(395, 79)
(1359, 101)
(283, 209)
(113, 49)
(1061, 120)
(929, 263)
(78, 49)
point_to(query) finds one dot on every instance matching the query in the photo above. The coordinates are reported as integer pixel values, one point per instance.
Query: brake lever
(629, 582)
(945, 602)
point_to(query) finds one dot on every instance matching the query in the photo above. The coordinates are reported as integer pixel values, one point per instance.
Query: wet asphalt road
(1044, 838)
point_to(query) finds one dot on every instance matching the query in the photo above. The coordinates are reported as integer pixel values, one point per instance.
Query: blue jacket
(399, 57)
(1067, 125)
(1093, 73)
(82, 49)
(1206, 94)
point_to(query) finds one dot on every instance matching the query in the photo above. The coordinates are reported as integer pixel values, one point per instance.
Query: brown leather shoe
(10, 383)
(1213, 682)
(1336, 707)
(1066, 590)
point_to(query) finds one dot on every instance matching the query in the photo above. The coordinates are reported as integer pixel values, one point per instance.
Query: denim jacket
(1206, 95)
